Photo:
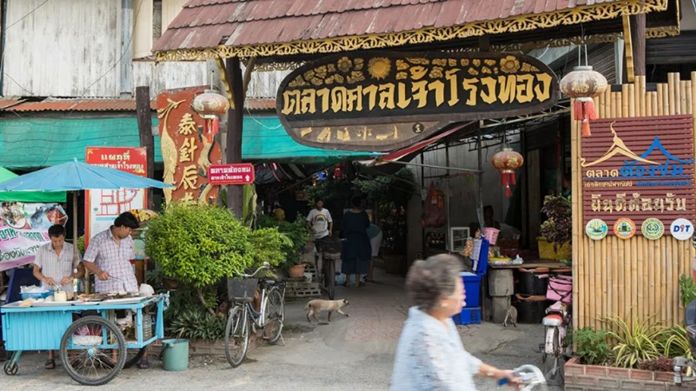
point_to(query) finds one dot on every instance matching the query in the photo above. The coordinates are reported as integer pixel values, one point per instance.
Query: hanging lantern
(338, 172)
(583, 84)
(210, 106)
(507, 161)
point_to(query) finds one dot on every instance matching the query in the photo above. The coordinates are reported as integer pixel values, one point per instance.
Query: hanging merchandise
(583, 84)
(434, 210)
(507, 161)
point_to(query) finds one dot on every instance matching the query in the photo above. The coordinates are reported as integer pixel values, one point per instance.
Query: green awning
(264, 139)
(33, 142)
(27, 196)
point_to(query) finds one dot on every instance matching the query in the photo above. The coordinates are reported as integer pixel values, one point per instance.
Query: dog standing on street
(316, 306)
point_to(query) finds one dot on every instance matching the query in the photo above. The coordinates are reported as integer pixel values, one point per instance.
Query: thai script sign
(231, 174)
(103, 206)
(24, 228)
(638, 168)
(188, 149)
(381, 101)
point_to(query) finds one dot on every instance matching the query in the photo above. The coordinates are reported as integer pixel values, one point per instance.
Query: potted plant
(298, 235)
(556, 231)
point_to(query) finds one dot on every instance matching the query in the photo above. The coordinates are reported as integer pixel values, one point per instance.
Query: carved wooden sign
(638, 168)
(187, 148)
(382, 101)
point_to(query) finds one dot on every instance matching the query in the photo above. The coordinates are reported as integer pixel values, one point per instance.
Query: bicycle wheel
(275, 310)
(93, 350)
(236, 336)
(554, 374)
(330, 268)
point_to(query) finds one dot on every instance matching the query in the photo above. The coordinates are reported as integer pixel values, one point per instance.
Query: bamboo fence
(635, 279)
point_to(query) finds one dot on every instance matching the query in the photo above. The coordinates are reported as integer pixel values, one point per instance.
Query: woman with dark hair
(430, 354)
(355, 249)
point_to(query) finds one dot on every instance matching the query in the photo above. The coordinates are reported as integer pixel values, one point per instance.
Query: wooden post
(233, 71)
(628, 49)
(142, 109)
(638, 40)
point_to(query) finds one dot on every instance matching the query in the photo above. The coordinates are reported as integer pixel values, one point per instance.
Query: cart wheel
(133, 356)
(11, 368)
(93, 350)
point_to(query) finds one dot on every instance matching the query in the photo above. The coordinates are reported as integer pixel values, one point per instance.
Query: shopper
(355, 250)
(430, 354)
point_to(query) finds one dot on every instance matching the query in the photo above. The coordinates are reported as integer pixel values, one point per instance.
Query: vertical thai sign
(103, 206)
(638, 173)
(187, 150)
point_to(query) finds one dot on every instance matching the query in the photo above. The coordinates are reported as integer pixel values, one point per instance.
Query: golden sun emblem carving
(379, 67)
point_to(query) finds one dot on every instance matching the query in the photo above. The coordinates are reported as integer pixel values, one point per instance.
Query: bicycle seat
(553, 320)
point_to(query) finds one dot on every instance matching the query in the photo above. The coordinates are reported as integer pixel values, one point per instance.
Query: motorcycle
(685, 368)
(556, 323)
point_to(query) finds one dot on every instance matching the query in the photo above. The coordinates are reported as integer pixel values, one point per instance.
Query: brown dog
(316, 306)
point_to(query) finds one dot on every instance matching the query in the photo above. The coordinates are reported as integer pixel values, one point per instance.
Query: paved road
(350, 354)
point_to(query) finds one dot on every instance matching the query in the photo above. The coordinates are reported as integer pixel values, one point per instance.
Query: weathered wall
(63, 48)
(634, 278)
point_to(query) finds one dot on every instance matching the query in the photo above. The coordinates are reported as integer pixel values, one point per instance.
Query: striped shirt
(55, 266)
(113, 258)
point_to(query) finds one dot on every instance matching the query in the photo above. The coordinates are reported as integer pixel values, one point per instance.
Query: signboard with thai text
(639, 168)
(231, 174)
(188, 148)
(382, 101)
(103, 206)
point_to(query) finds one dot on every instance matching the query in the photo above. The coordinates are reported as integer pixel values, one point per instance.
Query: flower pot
(547, 250)
(297, 271)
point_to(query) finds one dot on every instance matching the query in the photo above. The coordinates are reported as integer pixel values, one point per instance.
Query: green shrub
(592, 347)
(297, 231)
(199, 244)
(640, 341)
(676, 342)
(687, 289)
(198, 325)
(269, 246)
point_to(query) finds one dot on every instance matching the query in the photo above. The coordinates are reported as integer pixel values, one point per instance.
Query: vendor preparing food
(53, 266)
(108, 256)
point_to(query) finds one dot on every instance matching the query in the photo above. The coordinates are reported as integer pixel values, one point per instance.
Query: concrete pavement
(354, 353)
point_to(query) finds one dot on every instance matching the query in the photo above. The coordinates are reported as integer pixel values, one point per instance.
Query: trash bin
(175, 354)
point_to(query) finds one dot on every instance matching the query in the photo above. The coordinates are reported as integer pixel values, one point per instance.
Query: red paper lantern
(583, 84)
(210, 106)
(507, 161)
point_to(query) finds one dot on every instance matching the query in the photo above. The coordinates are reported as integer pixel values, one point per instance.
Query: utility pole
(142, 109)
(235, 115)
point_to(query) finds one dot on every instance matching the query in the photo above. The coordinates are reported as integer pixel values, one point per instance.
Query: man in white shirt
(320, 222)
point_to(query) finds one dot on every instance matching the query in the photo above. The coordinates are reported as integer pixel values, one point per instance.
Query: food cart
(93, 345)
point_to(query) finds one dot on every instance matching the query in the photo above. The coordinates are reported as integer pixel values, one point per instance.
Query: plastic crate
(472, 287)
(469, 315)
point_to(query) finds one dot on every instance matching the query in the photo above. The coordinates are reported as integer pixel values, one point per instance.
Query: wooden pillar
(233, 153)
(142, 108)
(628, 49)
(638, 40)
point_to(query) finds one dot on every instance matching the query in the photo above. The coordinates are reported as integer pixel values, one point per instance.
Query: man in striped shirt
(108, 256)
(54, 267)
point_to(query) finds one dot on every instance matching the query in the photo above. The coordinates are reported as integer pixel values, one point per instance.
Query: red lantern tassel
(584, 110)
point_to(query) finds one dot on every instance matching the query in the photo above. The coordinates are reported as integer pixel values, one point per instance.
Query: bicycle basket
(241, 289)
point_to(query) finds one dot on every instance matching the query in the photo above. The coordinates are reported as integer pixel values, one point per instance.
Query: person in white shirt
(430, 354)
(55, 266)
(320, 222)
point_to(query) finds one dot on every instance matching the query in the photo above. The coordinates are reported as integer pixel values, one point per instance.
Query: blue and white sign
(682, 229)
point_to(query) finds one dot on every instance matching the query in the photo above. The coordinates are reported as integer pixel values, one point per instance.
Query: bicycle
(242, 315)
(325, 251)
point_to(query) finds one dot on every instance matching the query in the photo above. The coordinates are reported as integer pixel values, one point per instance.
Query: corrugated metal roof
(9, 102)
(98, 105)
(77, 105)
(208, 23)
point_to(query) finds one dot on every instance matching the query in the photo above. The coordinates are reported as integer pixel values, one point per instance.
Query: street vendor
(108, 256)
(54, 267)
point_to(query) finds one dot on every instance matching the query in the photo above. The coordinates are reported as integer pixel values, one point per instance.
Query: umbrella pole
(76, 258)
